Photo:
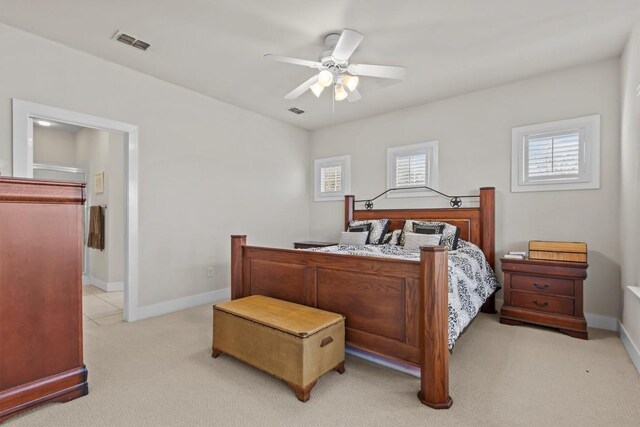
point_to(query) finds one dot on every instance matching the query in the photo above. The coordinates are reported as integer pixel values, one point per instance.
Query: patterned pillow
(450, 232)
(413, 241)
(354, 238)
(428, 229)
(378, 229)
(395, 237)
(359, 229)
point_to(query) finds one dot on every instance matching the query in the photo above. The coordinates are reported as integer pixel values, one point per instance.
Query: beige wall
(474, 134)
(192, 193)
(630, 188)
(54, 146)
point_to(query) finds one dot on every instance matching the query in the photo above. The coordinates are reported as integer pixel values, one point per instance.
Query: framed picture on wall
(98, 183)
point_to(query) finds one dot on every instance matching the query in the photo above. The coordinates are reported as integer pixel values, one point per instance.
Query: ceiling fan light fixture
(351, 82)
(325, 78)
(340, 93)
(317, 89)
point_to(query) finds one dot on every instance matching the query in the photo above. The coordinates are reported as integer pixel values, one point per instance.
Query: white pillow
(413, 241)
(354, 238)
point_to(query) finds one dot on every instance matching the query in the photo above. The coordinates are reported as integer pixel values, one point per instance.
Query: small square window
(412, 167)
(562, 155)
(332, 178)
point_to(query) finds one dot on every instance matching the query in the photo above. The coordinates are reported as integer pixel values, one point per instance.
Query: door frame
(24, 113)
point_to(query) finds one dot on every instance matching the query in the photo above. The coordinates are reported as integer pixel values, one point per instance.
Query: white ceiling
(450, 47)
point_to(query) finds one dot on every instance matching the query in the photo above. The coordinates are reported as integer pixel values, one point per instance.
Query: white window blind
(553, 156)
(411, 170)
(331, 179)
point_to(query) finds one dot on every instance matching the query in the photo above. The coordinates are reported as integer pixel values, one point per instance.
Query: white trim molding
(183, 303)
(23, 115)
(105, 286)
(588, 127)
(344, 162)
(430, 151)
(599, 321)
(630, 346)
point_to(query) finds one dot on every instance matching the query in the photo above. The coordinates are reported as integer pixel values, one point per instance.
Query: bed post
(488, 224)
(434, 327)
(349, 205)
(237, 242)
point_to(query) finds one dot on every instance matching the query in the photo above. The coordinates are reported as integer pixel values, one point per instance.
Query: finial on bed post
(237, 242)
(434, 327)
(349, 206)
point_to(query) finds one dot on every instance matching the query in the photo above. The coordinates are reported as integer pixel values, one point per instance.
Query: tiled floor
(100, 307)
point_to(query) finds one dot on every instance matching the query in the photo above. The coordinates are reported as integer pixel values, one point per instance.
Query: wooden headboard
(477, 224)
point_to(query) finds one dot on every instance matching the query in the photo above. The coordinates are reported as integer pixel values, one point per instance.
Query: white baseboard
(105, 286)
(182, 303)
(630, 346)
(599, 321)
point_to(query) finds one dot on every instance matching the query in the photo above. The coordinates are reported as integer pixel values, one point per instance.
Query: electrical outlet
(210, 272)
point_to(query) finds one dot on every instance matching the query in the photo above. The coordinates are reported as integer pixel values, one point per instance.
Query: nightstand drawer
(546, 303)
(547, 285)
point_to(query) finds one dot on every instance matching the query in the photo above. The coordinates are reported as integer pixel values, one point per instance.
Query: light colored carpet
(159, 372)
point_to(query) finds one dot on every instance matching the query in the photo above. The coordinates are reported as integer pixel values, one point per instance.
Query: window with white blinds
(554, 156)
(561, 155)
(332, 178)
(412, 167)
(411, 170)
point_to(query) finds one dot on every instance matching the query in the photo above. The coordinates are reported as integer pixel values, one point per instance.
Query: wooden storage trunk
(558, 251)
(295, 343)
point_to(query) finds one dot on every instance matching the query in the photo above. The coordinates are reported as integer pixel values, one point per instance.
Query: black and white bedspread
(471, 279)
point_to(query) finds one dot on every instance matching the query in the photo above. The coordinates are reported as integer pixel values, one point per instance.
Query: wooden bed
(394, 308)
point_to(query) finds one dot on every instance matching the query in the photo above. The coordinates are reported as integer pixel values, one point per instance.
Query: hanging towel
(96, 228)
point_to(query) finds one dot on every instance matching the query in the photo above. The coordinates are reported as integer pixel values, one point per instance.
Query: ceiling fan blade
(296, 61)
(354, 96)
(347, 44)
(302, 88)
(383, 71)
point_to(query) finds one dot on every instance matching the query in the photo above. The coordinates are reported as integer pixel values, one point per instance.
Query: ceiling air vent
(296, 110)
(131, 41)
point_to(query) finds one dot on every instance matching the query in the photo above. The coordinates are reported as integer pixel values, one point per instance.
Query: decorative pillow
(413, 241)
(387, 238)
(395, 237)
(354, 238)
(450, 233)
(428, 229)
(360, 228)
(378, 229)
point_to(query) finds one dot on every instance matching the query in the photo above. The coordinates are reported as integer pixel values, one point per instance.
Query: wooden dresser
(40, 293)
(546, 293)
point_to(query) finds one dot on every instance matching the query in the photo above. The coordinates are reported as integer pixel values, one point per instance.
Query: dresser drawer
(547, 285)
(545, 303)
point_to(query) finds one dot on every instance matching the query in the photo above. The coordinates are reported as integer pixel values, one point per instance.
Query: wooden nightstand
(546, 293)
(312, 244)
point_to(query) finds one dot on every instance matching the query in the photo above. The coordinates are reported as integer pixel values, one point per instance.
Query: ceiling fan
(335, 68)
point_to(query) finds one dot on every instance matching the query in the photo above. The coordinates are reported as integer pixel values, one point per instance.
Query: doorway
(24, 115)
(74, 153)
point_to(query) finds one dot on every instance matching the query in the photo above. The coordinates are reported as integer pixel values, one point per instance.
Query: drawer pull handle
(539, 286)
(541, 304)
(326, 341)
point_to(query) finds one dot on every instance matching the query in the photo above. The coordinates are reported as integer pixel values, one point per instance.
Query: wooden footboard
(395, 308)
